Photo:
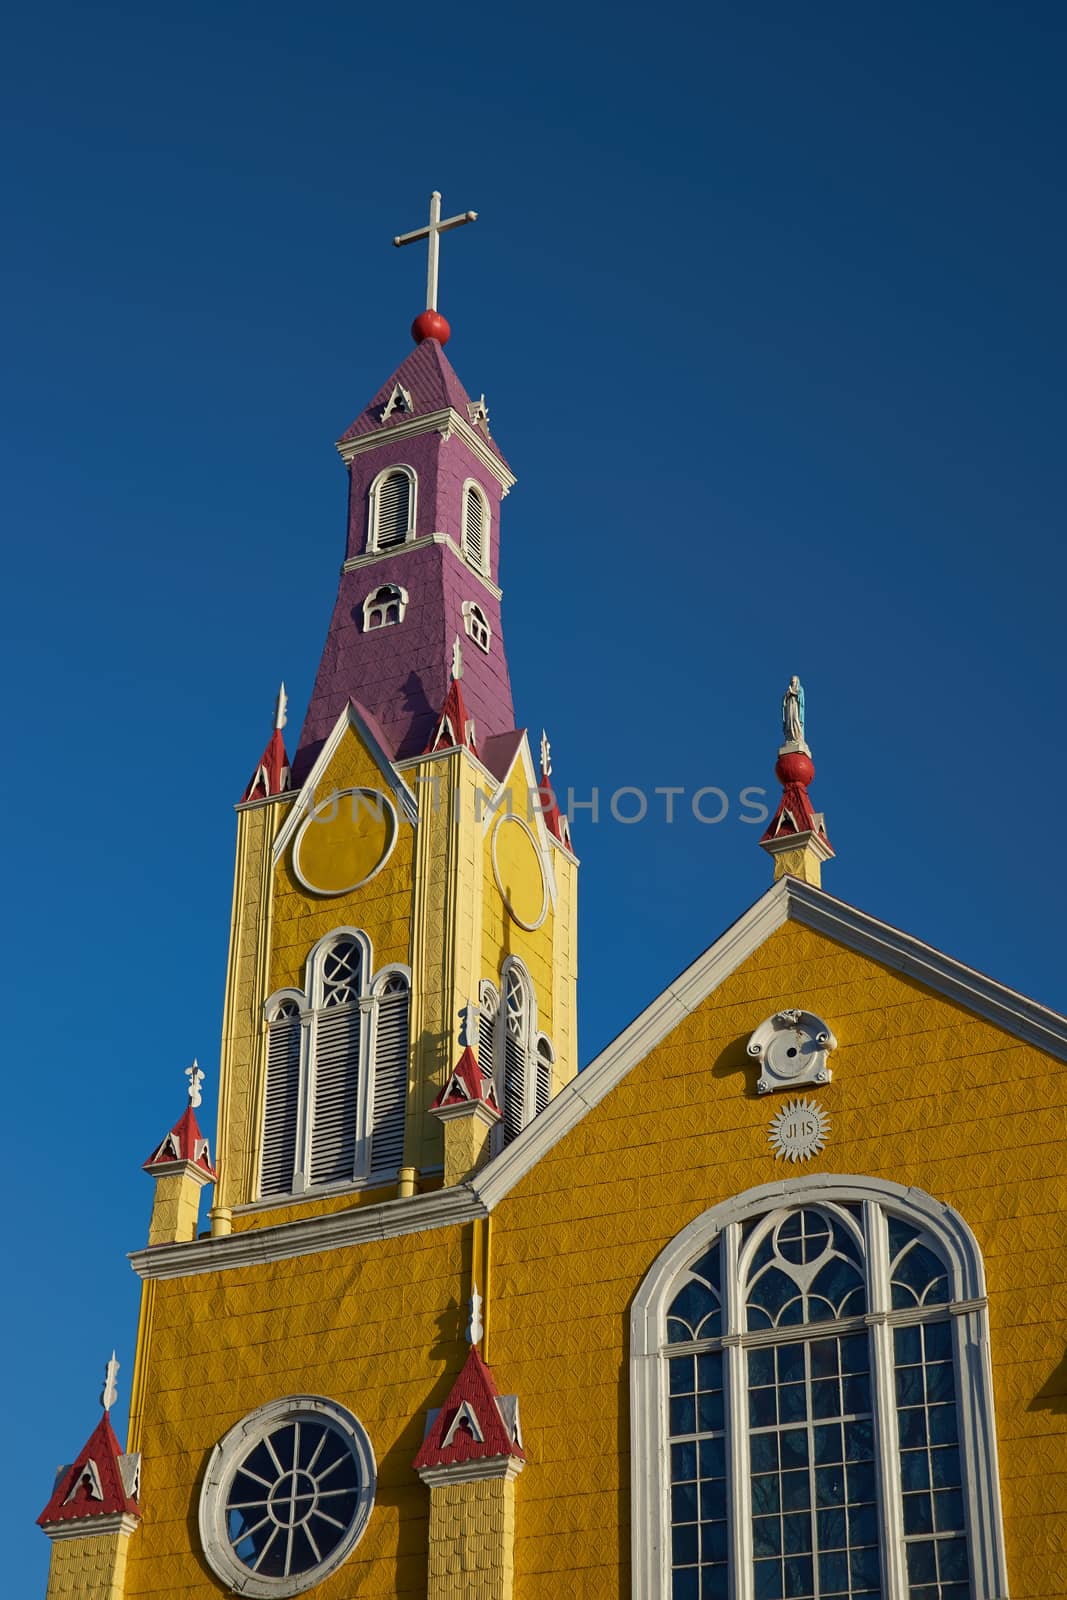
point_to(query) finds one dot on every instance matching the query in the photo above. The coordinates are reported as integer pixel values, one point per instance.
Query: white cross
(196, 1078)
(433, 233)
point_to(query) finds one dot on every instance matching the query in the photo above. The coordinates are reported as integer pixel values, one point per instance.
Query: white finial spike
(281, 709)
(475, 1330)
(433, 234)
(546, 754)
(457, 658)
(110, 1393)
(196, 1078)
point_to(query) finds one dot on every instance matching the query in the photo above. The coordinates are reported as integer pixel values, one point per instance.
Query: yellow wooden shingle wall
(923, 1094)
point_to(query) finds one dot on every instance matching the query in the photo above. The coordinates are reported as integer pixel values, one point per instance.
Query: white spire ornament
(546, 755)
(457, 659)
(110, 1391)
(475, 1329)
(196, 1078)
(281, 709)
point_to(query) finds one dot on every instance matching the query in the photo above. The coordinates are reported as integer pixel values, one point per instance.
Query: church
(766, 1302)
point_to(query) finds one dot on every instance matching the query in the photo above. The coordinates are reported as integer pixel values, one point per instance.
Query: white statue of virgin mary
(793, 711)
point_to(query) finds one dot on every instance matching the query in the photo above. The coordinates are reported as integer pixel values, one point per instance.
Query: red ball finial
(430, 325)
(793, 766)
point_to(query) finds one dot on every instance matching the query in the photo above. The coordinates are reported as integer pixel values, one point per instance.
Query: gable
(876, 988)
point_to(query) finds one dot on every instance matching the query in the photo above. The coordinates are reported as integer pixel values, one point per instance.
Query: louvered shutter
(333, 1130)
(474, 528)
(544, 1074)
(278, 1156)
(390, 1077)
(393, 510)
(487, 1035)
(514, 1107)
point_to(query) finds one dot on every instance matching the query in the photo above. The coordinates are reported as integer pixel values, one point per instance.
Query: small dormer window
(477, 626)
(392, 508)
(476, 526)
(384, 606)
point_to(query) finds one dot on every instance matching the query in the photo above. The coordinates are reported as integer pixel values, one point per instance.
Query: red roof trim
(467, 1086)
(74, 1494)
(184, 1142)
(476, 1390)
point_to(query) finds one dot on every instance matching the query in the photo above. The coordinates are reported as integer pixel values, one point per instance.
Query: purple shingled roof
(430, 379)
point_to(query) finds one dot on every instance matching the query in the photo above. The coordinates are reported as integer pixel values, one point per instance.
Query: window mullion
(738, 1485)
(305, 1095)
(883, 1401)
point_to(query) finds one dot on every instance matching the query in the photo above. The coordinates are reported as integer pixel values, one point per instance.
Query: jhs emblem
(799, 1131)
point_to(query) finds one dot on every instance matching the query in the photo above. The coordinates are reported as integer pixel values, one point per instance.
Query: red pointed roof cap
(272, 771)
(100, 1483)
(454, 726)
(429, 382)
(795, 814)
(184, 1142)
(467, 1086)
(471, 1424)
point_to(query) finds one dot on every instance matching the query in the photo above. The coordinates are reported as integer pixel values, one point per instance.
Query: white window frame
(477, 626)
(372, 508)
(310, 1002)
(394, 595)
(649, 1353)
(234, 1448)
(481, 566)
(394, 969)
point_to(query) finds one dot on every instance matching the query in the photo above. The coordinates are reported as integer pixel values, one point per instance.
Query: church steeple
(414, 867)
(422, 563)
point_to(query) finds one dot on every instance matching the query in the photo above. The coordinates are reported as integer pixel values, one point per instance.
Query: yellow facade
(472, 1540)
(435, 906)
(924, 1092)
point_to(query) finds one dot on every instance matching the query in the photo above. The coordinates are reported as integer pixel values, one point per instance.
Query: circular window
(287, 1495)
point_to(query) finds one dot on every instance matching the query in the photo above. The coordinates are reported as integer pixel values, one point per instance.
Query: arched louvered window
(545, 1058)
(813, 1398)
(476, 527)
(390, 1079)
(514, 1038)
(281, 1111)
(392, 509)
(488, 1010)
(336, 1062)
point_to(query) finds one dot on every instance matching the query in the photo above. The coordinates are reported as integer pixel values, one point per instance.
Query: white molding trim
(311, 819)
(265, 800)
(388, 1219)
(446, 422)
(536, 822)
(233, 1448)
(349, 718)
(412, 476)
(649, 1475)
(812, 908)
(481, 567)
(371, 557)
(542, 861)
(92, 1527)
(488, 1468)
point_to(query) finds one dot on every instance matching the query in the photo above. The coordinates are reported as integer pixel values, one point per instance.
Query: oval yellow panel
(519, 874)
(344, 841)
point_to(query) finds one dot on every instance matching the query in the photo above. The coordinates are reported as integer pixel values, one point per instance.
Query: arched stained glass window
(816, 1366)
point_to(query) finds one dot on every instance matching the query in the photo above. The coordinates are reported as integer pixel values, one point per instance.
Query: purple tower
(421, 564)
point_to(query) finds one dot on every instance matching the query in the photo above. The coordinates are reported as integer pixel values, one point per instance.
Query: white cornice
(265, 800)
(92, 1527)
(489, 1467)
(446, 422)
(372, 557)
(444, 1208)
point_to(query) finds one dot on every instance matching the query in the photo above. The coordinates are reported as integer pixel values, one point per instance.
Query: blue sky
(767, 304)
